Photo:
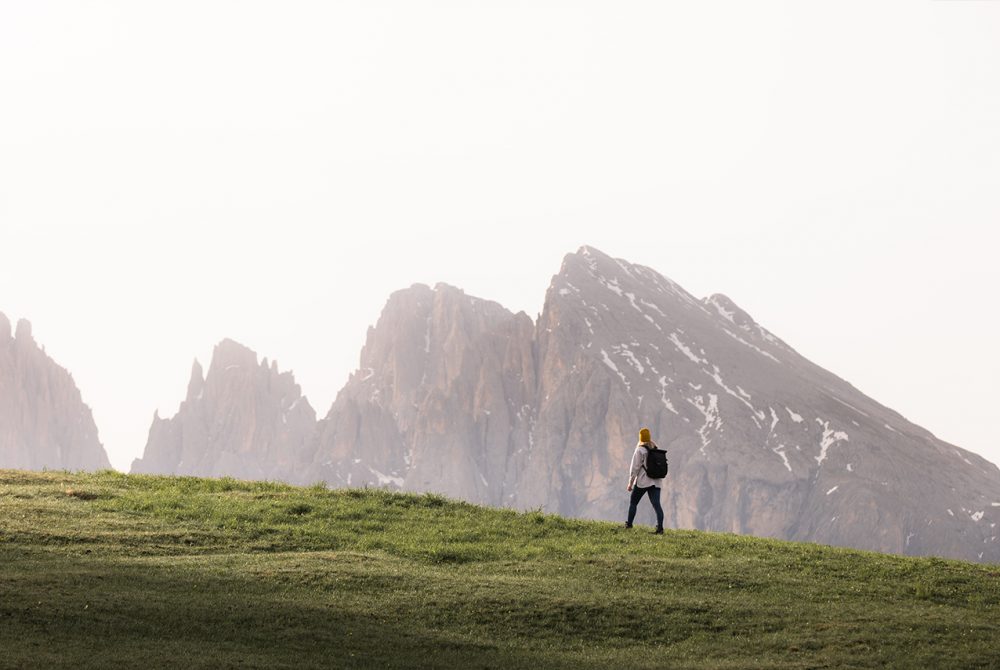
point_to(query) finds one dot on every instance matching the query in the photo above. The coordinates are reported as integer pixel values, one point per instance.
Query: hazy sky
(178, 172)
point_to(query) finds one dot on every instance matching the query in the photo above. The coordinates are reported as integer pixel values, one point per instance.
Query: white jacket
(638, 471)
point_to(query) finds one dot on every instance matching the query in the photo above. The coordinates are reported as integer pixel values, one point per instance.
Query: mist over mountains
(458, 395)
(43, 420)
(242, 419)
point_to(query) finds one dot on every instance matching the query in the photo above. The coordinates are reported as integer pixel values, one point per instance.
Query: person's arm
(634, 470)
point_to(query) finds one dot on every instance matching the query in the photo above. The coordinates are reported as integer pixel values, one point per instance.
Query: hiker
(645, 480)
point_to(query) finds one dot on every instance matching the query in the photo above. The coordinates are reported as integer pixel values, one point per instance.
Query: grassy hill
(110, 570)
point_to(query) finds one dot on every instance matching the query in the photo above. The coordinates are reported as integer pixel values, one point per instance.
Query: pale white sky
(176, 173)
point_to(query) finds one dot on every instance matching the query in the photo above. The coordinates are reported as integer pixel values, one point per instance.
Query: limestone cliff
(44, 422)
(442, 401)
(243, 419)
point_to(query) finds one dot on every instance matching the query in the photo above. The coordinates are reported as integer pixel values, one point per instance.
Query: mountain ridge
(461, 396)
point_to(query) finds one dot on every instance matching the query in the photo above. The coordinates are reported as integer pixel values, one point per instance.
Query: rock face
(460, 396)
(443, 400)
(44, 423)
(243, 419)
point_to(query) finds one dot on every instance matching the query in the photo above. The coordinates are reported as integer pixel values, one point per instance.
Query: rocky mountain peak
(23, 333)
(443, 380)
(196, 385)
(229, 354)
(596, 275)
(728, 310)
(422, 335)
(44, 422)
(243, 419)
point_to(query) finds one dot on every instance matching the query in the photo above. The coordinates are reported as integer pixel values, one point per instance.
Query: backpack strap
(648, 449)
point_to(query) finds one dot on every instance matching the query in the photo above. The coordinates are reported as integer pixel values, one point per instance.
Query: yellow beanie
(644, 435)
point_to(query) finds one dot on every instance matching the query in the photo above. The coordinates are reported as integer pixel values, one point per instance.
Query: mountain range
(458, 395)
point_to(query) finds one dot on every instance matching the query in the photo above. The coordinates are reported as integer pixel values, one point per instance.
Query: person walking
(646, 478)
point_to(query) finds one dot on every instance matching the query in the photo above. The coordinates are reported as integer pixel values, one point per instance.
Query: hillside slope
(112, 570)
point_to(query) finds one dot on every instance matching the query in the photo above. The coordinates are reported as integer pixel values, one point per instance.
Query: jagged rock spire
(241, 419)
(44, 422)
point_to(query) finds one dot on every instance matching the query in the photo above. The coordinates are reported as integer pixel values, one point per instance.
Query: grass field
(109, 570)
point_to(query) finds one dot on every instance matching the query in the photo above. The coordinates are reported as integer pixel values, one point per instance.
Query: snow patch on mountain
(684, 349)
(830, 438)
(774, 419)
(780, 450)
(611, 285)
(627, 353)
(663, 395)
(753, 346)
(653, 306)
(723, 312)
(717, 377)
(384, 479)
(611, 364)
(710, 411)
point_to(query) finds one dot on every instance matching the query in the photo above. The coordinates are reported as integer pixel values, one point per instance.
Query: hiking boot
(659, 531)
(627, 526)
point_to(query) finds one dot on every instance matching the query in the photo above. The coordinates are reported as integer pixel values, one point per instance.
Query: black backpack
(656, 462)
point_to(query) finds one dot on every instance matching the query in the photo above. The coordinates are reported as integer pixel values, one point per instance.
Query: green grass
(111, 570)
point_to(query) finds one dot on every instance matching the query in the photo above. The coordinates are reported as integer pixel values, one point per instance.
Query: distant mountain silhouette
(243, 419)
(44, 423)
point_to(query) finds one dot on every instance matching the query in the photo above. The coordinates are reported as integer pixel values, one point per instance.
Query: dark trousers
(654, 498)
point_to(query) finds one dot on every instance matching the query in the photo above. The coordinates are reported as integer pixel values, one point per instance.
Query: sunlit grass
(109, 570)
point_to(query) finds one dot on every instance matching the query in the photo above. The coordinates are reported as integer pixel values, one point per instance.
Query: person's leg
(654, 497)
(637, 494)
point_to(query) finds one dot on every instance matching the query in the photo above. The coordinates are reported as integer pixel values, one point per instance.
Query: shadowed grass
(109, 570)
